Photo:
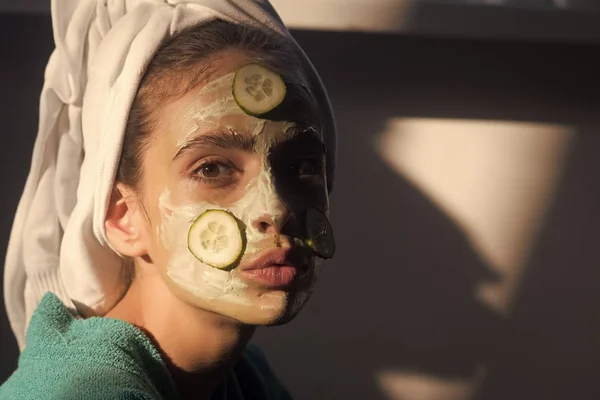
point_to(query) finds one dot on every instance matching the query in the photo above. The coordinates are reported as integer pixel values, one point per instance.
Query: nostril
(269, 224)
(263, 226)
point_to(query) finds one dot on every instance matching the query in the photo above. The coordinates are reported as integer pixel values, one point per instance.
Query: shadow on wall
(398, 296)
(552, 347)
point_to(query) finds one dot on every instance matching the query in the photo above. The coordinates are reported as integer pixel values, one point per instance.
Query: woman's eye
(210, 170)
(214, 171)
(307, 168)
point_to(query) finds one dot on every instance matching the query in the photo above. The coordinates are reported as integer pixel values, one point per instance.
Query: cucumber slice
(320, 233)
(215, 238)
(257, 90)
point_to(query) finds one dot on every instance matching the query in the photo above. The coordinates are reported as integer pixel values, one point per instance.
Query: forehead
(211, 105)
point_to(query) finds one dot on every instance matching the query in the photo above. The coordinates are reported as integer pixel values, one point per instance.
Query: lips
(275, 268)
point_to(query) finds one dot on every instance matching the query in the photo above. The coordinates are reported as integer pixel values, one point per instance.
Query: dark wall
(398, 294)
(25, 45)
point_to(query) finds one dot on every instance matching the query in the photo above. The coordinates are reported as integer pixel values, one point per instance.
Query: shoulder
(96, 359)
(73, 381)
(256, 378)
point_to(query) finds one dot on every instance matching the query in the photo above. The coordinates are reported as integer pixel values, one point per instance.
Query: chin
(251, 305)
(270, 308)
(259, 308)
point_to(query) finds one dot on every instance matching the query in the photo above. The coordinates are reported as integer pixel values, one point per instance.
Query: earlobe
(122, 223)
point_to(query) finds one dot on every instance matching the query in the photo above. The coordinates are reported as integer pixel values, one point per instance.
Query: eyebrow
(304, 134)
(244, 142)
(225, 140)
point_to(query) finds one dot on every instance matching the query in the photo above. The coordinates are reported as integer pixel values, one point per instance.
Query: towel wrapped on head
(58, 242)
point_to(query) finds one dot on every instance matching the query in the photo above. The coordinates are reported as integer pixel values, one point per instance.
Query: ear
(124, 224)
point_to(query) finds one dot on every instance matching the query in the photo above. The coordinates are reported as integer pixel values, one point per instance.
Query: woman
(177, 199)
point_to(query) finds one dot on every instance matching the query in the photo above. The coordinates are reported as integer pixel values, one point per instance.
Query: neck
(199, 347)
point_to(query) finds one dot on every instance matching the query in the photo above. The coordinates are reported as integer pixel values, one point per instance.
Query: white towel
(58, 242)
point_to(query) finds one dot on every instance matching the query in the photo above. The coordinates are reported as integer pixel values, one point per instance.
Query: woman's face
(208, 154)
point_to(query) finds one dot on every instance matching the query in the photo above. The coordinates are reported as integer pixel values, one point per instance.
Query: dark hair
(178, 66)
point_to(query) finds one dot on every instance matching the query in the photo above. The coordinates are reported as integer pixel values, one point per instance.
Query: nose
(270, 224)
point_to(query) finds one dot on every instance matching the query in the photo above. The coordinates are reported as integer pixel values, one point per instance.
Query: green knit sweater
(108, 359)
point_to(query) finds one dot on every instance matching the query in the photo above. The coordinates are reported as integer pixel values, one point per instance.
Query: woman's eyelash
(197, 172)
(313, 165)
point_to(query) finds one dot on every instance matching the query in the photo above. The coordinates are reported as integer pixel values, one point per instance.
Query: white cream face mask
(222, 288)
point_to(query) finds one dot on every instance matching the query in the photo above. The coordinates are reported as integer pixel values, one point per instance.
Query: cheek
(178, 264)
